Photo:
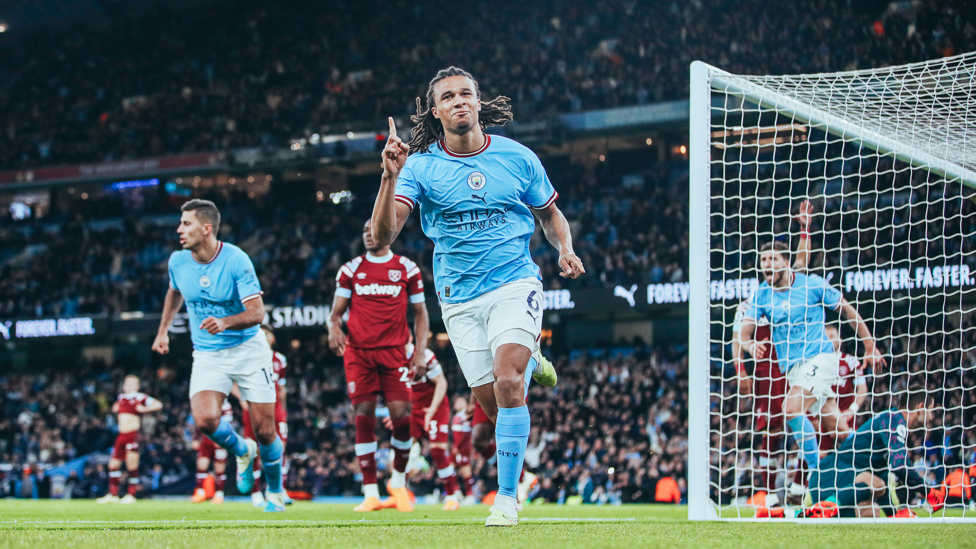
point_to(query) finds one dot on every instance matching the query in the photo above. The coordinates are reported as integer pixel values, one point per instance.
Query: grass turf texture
(151, 524)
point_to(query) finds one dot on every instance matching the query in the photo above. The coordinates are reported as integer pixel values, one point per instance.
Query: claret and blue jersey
(797, 316)
(477, 208)
(218, 288)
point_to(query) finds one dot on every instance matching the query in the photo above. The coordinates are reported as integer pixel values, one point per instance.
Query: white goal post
(886, 159)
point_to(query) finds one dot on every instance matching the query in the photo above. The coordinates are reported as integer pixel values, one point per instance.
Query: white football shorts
(249, 364)
(817, 375)
(508, 314)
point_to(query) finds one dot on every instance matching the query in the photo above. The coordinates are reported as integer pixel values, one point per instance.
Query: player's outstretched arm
(171, 305)
(557, 232)
(747, 340)
(739, 357)
(872, 356)
(389, 215)
(252, 316)
(804, 218)
(337, 338)
(152, 405)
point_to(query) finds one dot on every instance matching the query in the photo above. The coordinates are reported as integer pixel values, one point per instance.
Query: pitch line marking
(309, 522)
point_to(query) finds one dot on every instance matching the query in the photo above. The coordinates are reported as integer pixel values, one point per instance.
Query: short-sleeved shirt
(218, 288)
(128, 401)
(797, 316)
(477, 208)
(378, 289)
(423, 389)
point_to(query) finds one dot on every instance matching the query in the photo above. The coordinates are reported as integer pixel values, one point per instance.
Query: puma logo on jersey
(481, 198)
(378, 289)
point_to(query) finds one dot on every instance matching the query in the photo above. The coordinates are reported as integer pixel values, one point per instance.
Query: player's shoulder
(232, 252)
(352, 265)
(809, 280)
(179, 257)
(408, 264)
(507, 145)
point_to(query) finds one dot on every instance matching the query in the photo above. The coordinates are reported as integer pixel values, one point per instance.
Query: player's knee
(509, 382)
(207, 423)
(265, 433)
(400, 409)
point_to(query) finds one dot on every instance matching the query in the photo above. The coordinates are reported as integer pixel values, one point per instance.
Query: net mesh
(884, 159)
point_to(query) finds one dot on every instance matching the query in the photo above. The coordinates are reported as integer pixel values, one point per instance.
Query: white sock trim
(446, 472)
(366, 448)
(398, 479)
(401, 444)
(371, 491)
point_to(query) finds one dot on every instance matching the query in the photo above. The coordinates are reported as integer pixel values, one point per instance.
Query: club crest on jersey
(477, 181)
(395, 276)
(204, 281)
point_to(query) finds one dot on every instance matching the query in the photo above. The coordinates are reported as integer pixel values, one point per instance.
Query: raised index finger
(392, 127)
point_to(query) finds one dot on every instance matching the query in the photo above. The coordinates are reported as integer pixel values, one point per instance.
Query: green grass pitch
(167, 524)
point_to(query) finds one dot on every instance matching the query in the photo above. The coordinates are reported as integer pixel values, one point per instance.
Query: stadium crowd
(613, 427)
(115, 260)
(148, 85)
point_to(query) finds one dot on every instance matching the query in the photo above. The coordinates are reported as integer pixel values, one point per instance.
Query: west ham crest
(395, 276)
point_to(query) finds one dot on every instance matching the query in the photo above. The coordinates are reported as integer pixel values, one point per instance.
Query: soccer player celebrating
(477, 195)
(856, 475)
(130, 406)
(207, 453)
(794, 304)
(431, 418)
(223, 299)
(770, 383)
(375, 288)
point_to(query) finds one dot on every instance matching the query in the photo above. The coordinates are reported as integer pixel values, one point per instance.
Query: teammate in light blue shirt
(223, 299)
(477, 196)
(794, 304)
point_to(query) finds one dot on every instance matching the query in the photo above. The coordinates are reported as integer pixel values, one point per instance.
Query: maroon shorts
(370, 372)
(770, 390)
(281, 423)
(440, 425)
(209, 449)
(479, 416)
(124, 443)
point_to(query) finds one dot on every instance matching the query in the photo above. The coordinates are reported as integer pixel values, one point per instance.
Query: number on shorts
(404, 374)
(432, 431)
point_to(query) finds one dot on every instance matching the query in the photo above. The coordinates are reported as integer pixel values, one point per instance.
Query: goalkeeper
(854, 477)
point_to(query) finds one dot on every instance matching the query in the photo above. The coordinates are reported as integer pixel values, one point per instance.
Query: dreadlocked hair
(428, 130)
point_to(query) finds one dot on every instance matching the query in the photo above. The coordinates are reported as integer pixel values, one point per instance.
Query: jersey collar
(381, 259)
(444, 147)
(220, 246)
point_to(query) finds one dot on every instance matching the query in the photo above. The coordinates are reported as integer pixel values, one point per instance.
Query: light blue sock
(806, 438)
(227, 438)
(533, 363)
(511, 438)
(271, 462)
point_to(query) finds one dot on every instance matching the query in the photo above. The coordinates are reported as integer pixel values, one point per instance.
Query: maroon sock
(219, 481)
(445, 470)
(366, 447)
(114, 478)
(134, 482)
(401, 443)
(200, 478)
(469, 486)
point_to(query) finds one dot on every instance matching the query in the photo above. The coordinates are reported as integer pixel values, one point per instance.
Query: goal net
(868, 178)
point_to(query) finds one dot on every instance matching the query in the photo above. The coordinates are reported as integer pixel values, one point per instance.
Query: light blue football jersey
(797, 317)
(477, 208)
(218, 289)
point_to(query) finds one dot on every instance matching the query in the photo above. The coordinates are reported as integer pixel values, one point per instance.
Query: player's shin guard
(806, 438)
(271, 456)
(445, 470)
(511, 437)
(114, 478)
(134, 482)
(227, 438)
(401, 442)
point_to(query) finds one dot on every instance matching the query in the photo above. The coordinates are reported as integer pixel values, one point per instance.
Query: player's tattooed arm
(389, 214)
(252, 316)
(557, 232)
(421, 330)
(171, 305)
(337, 338)
(872, 356)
